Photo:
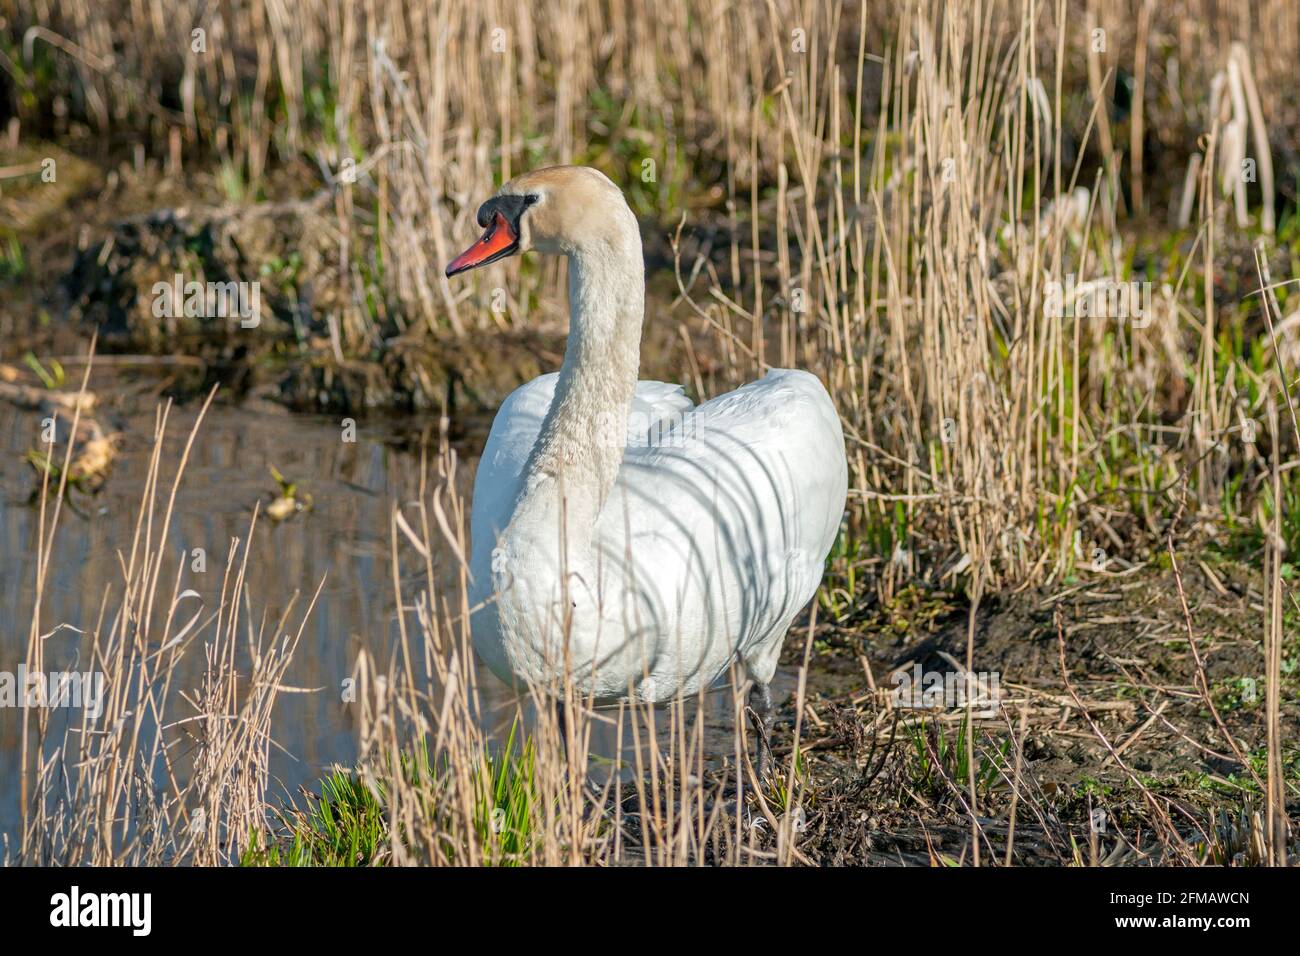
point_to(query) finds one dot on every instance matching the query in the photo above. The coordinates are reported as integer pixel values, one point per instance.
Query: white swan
(621, 537)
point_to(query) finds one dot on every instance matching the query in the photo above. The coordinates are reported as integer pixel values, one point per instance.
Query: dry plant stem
(105, 804)
(1273, 632)
(1170, 833)
(1202, 682)
(1273, 639)
(1015, 787)
(1136, 126)
(977, 830)
(973, 808)
(44, 549)
(786, 846)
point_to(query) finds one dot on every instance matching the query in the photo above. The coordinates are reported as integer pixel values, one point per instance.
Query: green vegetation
(348, 822)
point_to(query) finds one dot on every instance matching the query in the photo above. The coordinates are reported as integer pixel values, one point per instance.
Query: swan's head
(557, 210)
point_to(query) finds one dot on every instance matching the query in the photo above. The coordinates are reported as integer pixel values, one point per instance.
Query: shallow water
(343, 540)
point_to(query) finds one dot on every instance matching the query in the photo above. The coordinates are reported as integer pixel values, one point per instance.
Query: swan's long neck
(580, 448)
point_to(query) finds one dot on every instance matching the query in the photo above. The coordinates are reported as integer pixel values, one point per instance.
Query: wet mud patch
(254, 296)
(182, 280)
(1109, 742)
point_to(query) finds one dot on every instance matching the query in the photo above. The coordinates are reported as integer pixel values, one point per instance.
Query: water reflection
(344, 540)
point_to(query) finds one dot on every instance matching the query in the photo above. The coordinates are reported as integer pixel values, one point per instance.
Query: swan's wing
(514, 432)
(744, 499)
(780, 429)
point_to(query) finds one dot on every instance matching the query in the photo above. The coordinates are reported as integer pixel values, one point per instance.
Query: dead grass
(890, 195)
(139, 783)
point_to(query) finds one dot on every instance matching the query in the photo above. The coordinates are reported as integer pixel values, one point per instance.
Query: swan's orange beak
(497, 242)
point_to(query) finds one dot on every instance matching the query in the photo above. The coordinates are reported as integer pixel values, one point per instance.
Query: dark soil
(98, 240)
(882, 793)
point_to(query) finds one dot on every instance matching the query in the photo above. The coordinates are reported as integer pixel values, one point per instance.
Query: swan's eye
(531, 198)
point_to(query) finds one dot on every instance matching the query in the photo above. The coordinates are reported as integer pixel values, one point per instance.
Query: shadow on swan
(621, 537)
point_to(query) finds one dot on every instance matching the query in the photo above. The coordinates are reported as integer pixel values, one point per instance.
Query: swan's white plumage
(711, 541)
(623, 539)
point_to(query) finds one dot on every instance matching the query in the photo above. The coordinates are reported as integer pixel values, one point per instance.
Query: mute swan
(621, 537)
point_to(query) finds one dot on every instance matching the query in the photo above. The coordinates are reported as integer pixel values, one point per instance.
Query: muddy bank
(262, 297)
(1111, 734)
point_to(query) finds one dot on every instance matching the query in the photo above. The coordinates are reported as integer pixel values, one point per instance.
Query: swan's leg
(762, 714)
(561, 724)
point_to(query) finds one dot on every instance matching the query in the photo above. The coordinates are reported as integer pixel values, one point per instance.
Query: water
(343, 540)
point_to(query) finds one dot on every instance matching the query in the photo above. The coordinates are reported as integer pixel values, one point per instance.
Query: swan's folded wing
(785, 415)
(776, 448)
(785, 407)
(744, 502)
(514, 431)
(496, 483)
(661, 398)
